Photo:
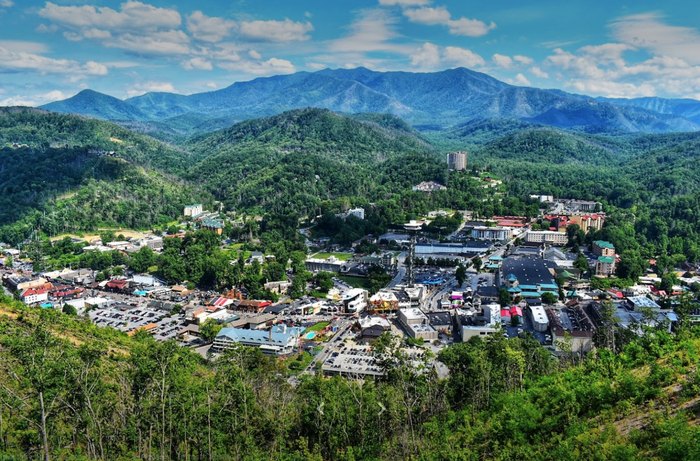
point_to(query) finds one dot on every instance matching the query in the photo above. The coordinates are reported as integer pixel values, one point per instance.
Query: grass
(355, 282)
(298, 362)
(317, 327)
(338, 256)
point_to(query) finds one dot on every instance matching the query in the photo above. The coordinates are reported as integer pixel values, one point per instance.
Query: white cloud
(525, 60)
(521, 80)
(209, 29)
(613, 89)
(373, 30)
(6, 3)
(462, 57)
(430, 56)
(197, 63)
(503, 61)
(439, 15)
(470, 27)
(35, 100)
(254, 54)
(427, 56)
(136, 27)
(273, 66)
(24, 46)
(276, 31)
(403, 2)
(18, 60)
(132, 16)
(538, 72)
(150, 86)
(649, 32)
(428, 15)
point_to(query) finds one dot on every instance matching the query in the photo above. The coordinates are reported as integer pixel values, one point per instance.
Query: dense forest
(70, 390)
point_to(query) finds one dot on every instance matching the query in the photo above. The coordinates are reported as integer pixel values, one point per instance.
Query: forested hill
(63, 173)
(113, 397)
(296, 160)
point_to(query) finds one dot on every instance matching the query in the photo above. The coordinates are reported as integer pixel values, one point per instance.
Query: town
(501, 275)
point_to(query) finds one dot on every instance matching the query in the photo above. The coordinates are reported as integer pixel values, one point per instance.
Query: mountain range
(428, 101)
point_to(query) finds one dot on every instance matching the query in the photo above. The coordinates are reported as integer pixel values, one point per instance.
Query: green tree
(549, 298)
(209, 329)
(461, 274)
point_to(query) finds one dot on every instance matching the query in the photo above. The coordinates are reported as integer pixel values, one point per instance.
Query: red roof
(34, 291)
(505, 313)
(515, 310)
(120, 284)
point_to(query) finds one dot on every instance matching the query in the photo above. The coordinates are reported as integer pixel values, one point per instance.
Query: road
(398, 278)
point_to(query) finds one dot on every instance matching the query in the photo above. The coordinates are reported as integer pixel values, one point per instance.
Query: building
(373, 327)
(331, 264)
(605, 266)
(492, 233)
(603, 248)
(441, 321)
(527, 277)
(457, 161)
(215, 225)
(354, 300)
(384, 301)
(416, 324)
(279, 340)
(280, 287)
(483, 323)
(193, 210)
(441, 249)
(572, 324)
(359, 213)
(538, 316)
(34, 295)
(550, 237)
(428, 186)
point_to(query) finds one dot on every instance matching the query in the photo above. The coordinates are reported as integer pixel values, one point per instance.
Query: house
(117, 285)
(279, 287)
(428, 186)
(252, 305)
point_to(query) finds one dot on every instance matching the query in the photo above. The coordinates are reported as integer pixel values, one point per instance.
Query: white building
(34, 295)
(539, 318)
(356, 212)
(457, 161)
(492, 233)
(280, 340)
(354, 300)
(551, 237)
(193, 210)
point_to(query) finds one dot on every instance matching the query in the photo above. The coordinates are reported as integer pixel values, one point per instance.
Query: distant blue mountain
(440, 100)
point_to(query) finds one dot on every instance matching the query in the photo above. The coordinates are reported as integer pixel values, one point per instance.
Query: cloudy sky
(52, 49)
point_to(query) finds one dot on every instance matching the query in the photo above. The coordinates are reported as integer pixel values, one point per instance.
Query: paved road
(398, 278)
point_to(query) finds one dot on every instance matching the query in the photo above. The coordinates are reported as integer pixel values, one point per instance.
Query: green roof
(604, 244)
(606, 259)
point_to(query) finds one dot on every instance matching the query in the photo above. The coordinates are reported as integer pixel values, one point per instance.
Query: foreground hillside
(64, 173)
(108, 396)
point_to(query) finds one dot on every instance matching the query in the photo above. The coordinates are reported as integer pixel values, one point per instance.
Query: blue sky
(52, 49)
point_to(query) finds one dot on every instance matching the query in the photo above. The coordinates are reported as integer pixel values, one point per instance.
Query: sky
(50, 50)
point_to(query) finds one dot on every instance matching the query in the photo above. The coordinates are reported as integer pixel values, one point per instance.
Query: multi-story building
(550, 237)
(457, 161)
(279, 340)
(492, 233)
(603, 248)
(416, 324)
(605, 265)
(193, 210)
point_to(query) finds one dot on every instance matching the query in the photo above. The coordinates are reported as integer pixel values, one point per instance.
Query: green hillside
(108, 396)
(63, 173)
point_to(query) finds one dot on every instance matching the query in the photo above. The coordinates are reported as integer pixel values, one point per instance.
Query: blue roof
(277, 335)
(530, 294)
(512, 277)
(496, 258)
(529, 287)
(514, 290)
(546, 286)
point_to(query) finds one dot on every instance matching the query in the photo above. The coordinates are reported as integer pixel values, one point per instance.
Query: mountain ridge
(443, 99)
